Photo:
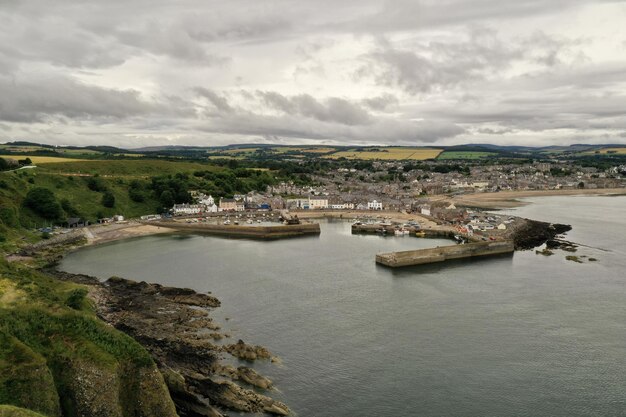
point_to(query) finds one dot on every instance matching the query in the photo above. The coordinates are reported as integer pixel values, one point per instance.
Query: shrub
(108, 199)
(96, 184)
(75, 299)
(9, 217)
(43, 202)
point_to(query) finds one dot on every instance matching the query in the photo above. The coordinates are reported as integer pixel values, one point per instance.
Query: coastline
(509, 199)
(99, 234)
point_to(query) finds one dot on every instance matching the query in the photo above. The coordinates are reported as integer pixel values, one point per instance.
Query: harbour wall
(252, 232)
(444, 253)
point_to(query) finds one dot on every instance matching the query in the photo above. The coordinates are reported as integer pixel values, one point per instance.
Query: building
(228, 204)
(318, 203)
(374, 205)
(185, 209)
(207, 200)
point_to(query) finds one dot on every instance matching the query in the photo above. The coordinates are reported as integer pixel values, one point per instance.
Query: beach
(509, 199)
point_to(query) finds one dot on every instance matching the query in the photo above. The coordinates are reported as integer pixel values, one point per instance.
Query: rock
(243, 351)
(251, 377)
(529, 234)
(171, 324)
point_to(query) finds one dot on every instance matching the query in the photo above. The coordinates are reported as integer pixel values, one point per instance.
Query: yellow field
(302, 149)
(611, 150)
(39, 160)
(318, 150)
(417, 154)
(239, 150)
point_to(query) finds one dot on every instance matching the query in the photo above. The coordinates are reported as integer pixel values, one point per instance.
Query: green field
(465, 155)
(127, 168)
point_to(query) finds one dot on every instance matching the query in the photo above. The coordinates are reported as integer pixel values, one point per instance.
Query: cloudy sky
(411, 72)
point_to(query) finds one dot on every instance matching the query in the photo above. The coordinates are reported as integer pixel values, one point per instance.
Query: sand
(509, 199)
(108, 233)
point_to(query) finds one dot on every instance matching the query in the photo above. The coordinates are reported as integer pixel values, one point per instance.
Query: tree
(96, 184)
(136, 195)
(43, 202)
(108, 199)
(166, 199)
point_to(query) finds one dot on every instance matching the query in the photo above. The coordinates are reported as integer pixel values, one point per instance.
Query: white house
(425, 210)
(207, 200)
(502, 226)
(374, 205)
(318, 203)
(187, 209)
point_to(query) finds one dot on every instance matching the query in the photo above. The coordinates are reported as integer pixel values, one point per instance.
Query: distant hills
(307, 152)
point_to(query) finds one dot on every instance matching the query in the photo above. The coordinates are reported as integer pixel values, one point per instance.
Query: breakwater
(444, 253)
(251, 232)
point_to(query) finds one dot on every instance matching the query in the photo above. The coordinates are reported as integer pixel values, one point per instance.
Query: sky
(134, 73)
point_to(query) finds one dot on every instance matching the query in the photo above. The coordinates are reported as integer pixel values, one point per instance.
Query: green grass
(44, 341)
(465, 155)
(127, 168)
(10, 411)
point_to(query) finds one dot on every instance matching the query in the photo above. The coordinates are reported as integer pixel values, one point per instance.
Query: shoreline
(501, 200)
(509, 199)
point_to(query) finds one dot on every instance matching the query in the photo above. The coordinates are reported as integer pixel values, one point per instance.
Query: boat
(249, 221)
(236, 222)
(401, 232)
(227, 222)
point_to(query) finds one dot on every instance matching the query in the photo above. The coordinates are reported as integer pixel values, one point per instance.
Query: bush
(108, 199)
(96, 184)
(136, 195)
(75, 299)
(9, 217)
(43, 202)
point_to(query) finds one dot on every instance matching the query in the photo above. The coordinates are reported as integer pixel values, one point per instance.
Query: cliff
(57, 359)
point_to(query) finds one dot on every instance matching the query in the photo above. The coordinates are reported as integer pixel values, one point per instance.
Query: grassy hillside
(58, 359)
(96, 189)
(126, 168)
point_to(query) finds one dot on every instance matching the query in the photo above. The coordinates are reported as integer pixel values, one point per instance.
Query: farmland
(39, 160)
(605, 151)
(383, 153)
(465, 155)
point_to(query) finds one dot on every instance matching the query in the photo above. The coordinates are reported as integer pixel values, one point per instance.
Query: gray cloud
(355, 71)
(32, 101)
(333, 109)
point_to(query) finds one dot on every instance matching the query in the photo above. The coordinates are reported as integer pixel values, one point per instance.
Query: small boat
(249, 221)
(236, 222)
(401, 232)
(258, 221)
(227, 222)
(420, 234)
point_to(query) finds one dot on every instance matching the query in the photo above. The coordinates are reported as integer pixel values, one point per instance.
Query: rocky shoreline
(532, 233)
(174, 326)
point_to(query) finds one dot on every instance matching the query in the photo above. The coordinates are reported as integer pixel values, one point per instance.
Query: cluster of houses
(206, 204)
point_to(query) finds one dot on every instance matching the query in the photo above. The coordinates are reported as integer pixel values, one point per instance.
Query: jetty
(444, 253)
(241, 231)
